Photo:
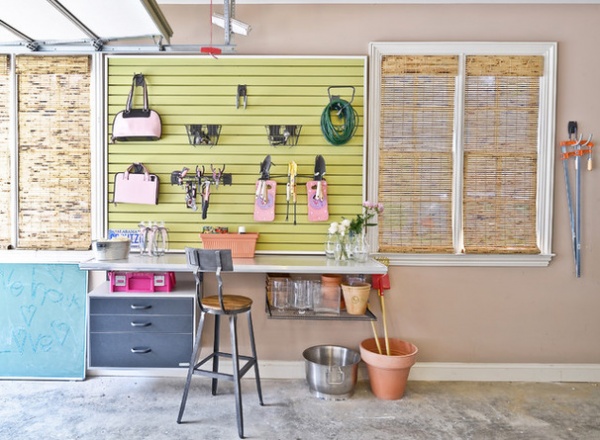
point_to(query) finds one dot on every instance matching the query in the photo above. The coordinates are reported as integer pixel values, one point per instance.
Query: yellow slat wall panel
(202, 90)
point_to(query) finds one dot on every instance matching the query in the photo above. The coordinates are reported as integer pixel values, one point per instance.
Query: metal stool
(216, 261)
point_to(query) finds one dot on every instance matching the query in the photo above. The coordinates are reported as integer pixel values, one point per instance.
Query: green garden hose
(342, 133)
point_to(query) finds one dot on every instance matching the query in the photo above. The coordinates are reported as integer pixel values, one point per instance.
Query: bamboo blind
(415, 157)
(500, 148)
(54, 152)
(5, 172)
(202, 90)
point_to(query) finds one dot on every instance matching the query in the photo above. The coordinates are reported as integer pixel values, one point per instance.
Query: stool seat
(232, 303)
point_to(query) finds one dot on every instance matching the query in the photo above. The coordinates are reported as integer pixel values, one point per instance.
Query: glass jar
(360, 247)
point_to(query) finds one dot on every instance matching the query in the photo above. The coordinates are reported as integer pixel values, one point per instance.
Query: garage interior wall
(453, 314)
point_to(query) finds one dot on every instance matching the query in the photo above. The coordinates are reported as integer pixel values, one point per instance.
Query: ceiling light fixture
(237, 27)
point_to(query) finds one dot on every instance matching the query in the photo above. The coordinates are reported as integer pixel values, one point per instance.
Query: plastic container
(143, 282)
(331, 371)
(115, 249)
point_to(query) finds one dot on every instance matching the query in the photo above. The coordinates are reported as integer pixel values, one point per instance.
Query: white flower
(333, 228)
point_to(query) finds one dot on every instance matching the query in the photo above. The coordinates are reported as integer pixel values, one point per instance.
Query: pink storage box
(145, 282)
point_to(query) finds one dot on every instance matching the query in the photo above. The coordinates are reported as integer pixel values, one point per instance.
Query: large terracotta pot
(356, 297)
(388, 374)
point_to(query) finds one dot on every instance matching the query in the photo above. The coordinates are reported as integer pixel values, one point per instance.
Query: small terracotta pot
(331, 279)
(388, 374)
(356, 297)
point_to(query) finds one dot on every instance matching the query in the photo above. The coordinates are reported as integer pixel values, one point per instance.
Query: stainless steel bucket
(331, 371)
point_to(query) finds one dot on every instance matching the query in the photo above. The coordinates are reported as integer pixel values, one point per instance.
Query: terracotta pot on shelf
(388, 375)
(356, 297)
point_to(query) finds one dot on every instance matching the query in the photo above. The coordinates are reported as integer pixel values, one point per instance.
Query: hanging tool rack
(575, 148)
(291, 181)
(200, 181)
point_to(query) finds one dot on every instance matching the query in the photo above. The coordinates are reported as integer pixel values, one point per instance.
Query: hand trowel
(317, 193)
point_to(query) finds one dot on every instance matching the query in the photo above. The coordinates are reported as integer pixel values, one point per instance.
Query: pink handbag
(136, 185)
(137, 124)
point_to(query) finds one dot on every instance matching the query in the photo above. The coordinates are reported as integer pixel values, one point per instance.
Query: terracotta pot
(356, 297)
(331, 279)
(388, 374)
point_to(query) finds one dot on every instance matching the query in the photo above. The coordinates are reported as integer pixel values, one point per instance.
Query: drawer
(140, 350)
(141, 305)
(146, 323)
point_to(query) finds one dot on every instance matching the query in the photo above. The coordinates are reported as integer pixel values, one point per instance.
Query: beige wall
(452, 314)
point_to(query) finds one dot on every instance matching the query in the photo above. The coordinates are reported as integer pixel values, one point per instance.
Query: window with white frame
(461, 151)
(45, 152)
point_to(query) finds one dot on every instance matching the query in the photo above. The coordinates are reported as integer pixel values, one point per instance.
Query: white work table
(307, 264)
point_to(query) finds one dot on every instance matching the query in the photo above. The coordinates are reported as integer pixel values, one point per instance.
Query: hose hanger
(346, 117)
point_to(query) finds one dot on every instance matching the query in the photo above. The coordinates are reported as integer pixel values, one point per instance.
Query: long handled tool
(381, 283)
(565, 156)
(576, 149)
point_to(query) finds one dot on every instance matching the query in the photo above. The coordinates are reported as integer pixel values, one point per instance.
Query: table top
(309, 264)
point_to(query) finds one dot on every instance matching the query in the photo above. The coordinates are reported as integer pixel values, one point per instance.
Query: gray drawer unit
(140, 350)
(143, 305)
(141, 331)
(143, 324)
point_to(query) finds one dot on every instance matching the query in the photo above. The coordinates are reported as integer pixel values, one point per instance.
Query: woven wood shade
(510, 65)
(500, 131)
(500, 147)
(54, 152)
(416, 132)
(5, 214)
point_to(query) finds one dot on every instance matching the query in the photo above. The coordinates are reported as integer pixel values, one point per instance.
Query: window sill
(514, 260)
(38, 256)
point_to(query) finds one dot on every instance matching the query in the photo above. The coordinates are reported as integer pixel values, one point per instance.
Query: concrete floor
(132, 408)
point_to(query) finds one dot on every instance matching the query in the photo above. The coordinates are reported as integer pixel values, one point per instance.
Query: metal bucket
(331, 371)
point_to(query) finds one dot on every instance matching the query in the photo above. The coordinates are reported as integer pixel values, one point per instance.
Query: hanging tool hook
(241, 93)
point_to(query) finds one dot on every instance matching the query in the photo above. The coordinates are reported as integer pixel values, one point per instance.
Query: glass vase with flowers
(358, 230)
(347, 239)
(337, 245)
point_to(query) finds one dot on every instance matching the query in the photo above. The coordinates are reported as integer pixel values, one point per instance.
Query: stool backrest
(209, 260)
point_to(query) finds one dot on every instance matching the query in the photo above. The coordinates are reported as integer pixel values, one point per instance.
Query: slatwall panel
(5, 174)
(202, 90)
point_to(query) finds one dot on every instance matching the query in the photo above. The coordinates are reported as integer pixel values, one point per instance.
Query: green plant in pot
(388, 359)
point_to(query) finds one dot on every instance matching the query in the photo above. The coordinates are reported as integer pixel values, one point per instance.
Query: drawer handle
(140, 324)
(140, 307)
(142, 350)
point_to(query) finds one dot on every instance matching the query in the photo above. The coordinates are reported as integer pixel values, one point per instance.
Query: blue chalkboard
(42, 321)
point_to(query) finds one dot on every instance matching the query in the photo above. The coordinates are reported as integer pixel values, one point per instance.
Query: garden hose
(339, 134)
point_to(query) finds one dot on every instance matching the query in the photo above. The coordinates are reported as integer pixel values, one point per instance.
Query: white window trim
(546, 140)
(96, 170)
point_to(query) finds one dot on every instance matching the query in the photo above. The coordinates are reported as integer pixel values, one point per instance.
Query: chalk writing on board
(42, 320)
